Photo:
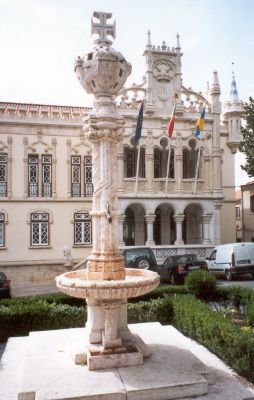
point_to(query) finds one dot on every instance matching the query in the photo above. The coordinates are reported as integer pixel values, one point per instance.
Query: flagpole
(168, 163)
(197, 166)
(137, 171)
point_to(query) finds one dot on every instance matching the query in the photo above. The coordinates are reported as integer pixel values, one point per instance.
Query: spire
(178, 41)
(233, 92)
(148, 45)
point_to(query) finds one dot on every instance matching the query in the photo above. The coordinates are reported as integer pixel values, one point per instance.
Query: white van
(232, 259)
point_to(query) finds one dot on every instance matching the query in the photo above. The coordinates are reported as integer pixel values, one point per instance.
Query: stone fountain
(40, 366)
(106, 284)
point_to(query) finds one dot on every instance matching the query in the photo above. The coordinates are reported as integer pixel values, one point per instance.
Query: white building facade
(46, 174)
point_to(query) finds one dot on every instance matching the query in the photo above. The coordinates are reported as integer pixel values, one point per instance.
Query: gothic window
(130, 162)
(82, 228)
(88, 177)
(3, 175)
(190, 158)
(252, 203)
(75, 176)
(142, 170)
(33, 176)
(161, 163)
(157, 163)
(2, 230)
(39, 229)
(47, 176)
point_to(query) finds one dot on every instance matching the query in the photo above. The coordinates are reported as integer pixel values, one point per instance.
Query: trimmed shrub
(201, 283)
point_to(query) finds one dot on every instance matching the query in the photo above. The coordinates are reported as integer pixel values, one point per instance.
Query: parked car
(175, 268)
(5, 286)
(140, 257)
(233, 259)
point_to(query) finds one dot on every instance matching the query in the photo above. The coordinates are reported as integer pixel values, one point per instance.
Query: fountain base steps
(41, 367)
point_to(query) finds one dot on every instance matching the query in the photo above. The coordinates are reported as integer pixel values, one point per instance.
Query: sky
(40, 39)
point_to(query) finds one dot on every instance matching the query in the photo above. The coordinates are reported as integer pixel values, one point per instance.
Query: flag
(200, 123)
(139, 124)
(171, 123)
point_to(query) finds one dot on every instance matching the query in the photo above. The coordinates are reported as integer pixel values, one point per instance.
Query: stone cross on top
(101, 28)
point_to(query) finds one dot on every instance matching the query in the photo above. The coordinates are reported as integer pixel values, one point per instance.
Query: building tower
(233, 112)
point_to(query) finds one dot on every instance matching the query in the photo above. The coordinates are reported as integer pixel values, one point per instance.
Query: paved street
(244, 282)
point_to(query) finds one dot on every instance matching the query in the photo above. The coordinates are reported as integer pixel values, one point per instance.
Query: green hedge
(20, 319)
(235, 346)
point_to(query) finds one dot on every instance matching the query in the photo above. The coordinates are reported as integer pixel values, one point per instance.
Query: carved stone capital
(95, 135)
(179, 218)
(150, 218)
(121, 218)
(217, 204)
(206, 218)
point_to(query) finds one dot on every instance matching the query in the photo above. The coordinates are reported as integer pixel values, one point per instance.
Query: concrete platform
(41, 367)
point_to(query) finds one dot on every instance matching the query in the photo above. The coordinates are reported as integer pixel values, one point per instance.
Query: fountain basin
(136, 283)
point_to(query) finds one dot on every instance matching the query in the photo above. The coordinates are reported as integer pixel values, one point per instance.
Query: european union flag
(139, 124)
(200, 123)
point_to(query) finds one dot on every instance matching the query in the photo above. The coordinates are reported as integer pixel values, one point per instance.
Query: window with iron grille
(39, 229)
(88, 177)
(82, 228)
(2, 230)
(47, 176)
(3, 175)
(75, 176)
(33, 176)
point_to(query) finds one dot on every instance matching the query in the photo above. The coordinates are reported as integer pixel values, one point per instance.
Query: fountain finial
(102, 28)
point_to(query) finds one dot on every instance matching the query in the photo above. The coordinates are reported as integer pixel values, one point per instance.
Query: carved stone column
(150, 220)
(121, 219)
(68, 143)
(25, 160)
(120, 172)
(9, 185)
(217, 218)
(216, 149)
(149, 171)
(110, 336)
(207, 173)
(179, 218)
(54, 169)
(179, 169)
(206, 218)
(39, 175)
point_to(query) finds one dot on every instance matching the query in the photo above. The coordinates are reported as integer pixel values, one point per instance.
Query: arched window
(130, 162)
(129, 227)
(161, 162)
(190, 158)
(82, 228)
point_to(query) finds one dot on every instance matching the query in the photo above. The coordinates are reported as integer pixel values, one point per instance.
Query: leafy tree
(247, 143)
